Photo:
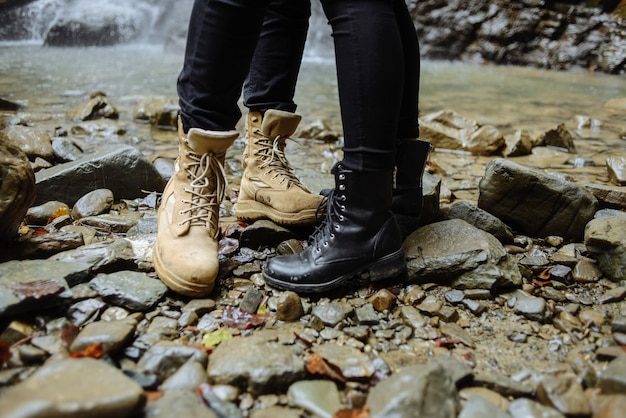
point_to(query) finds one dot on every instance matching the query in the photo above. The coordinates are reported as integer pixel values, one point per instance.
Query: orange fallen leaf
(353, 413)
(315, 364)
(94, 351)
(153, 395)
(58, 213)
(37, 232)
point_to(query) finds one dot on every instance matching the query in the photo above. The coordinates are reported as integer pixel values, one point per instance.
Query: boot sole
(390, 266)
(250, 210)
(176, 283)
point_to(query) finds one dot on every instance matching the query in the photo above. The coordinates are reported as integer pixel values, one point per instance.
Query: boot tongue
(216, 142)
(279, 123)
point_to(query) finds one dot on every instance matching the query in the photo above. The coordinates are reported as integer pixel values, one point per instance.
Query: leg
(217, 59)
(359, 235)
(269, 187)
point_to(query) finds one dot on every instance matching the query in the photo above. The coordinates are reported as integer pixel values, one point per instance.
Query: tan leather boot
(269, 188)
(185, 252)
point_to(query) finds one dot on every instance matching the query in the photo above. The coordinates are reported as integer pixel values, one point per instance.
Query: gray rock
(66, 150)
(472, 259)
(17, 188)
(178, 403)
(319, 397)
(165, 358)
(564, 393)
(332, 313)
(559, 137)
(530, 306)
(479, 407)
(350, 362)
(32, 285)
(503, 385)
(108, 167)
(416, 391)
(606, 240)
(73, 388)
(608, 195)
(111, 334)
(114, 253)
(535, 203)
(527, 408)
(612, 380)
(289, 307)
(189, 376)
(263, 234)
(616, 167)
(259, 363)
(39, 215)
(129, 289)
(431, 191)
(482, 220)
(93, 203)
(449, 130)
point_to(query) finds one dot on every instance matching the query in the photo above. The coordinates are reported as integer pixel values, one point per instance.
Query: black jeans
(377, 58)
(256, 44)
(260, 42)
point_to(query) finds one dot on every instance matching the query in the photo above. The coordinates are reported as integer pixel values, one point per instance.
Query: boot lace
(272, 152)
(208, 186)
(324, 234)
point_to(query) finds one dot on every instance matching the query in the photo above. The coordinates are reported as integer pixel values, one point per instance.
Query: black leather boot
(407, 193)
(359, 237)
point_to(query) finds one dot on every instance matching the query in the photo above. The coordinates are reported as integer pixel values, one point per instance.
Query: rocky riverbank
(513, 306)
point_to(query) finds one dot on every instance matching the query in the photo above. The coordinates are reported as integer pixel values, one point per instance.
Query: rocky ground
(513, 306)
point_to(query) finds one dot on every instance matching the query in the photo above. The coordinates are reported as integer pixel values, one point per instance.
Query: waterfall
(111, 22)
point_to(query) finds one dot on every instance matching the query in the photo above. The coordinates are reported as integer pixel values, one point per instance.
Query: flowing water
(50, 81)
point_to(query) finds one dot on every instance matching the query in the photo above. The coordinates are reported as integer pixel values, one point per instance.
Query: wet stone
(200, 306)
(264, 233)
(420, 390)
(165, 358)
(109, 253)
(289, 307)
(189, 376)
(479, 407)
(39, 215)
(527, 408)
(564, 393)
(320, 397)
(382, 300)
(257, 363)
(481, 219)
(80, 312)
(614, 295)
(586, 271)
(89, 388)
(111, 334)
(251, 300)
(612, 380)
(366, 315)
(332, 313)
(131, 290)
(93, 203)
(178, 403)
(351, 363)
(65, 149)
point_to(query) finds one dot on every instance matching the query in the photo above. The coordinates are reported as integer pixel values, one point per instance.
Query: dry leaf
(153, 395)
(353, 413)
(58, 213)
(315, 364)
(37, 288)
(5, 353)
(93, 351)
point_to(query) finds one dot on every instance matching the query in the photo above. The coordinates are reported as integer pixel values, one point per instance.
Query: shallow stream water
(50, 81)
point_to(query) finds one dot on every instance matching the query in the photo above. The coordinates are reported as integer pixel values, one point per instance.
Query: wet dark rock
(606, 240)
(535, 203)
(40, 215)
(112, 335)
(90, 388)
(431, 189)
(521, 143)
(289, 307)
(259, 363)
(66, 150)
(332, 313)
(559, 137)
(264, 233)
(129, 289)
(165, 358)
(101, 255)
(17, 189)
(93, 203)
(8, 104)
(109, 167)
(481, 219)
(474, 259)
(423, 390)
(79, 26)
(37, 284)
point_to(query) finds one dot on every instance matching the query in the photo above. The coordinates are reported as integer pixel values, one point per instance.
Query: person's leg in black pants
(229, 42)
(360, 236)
